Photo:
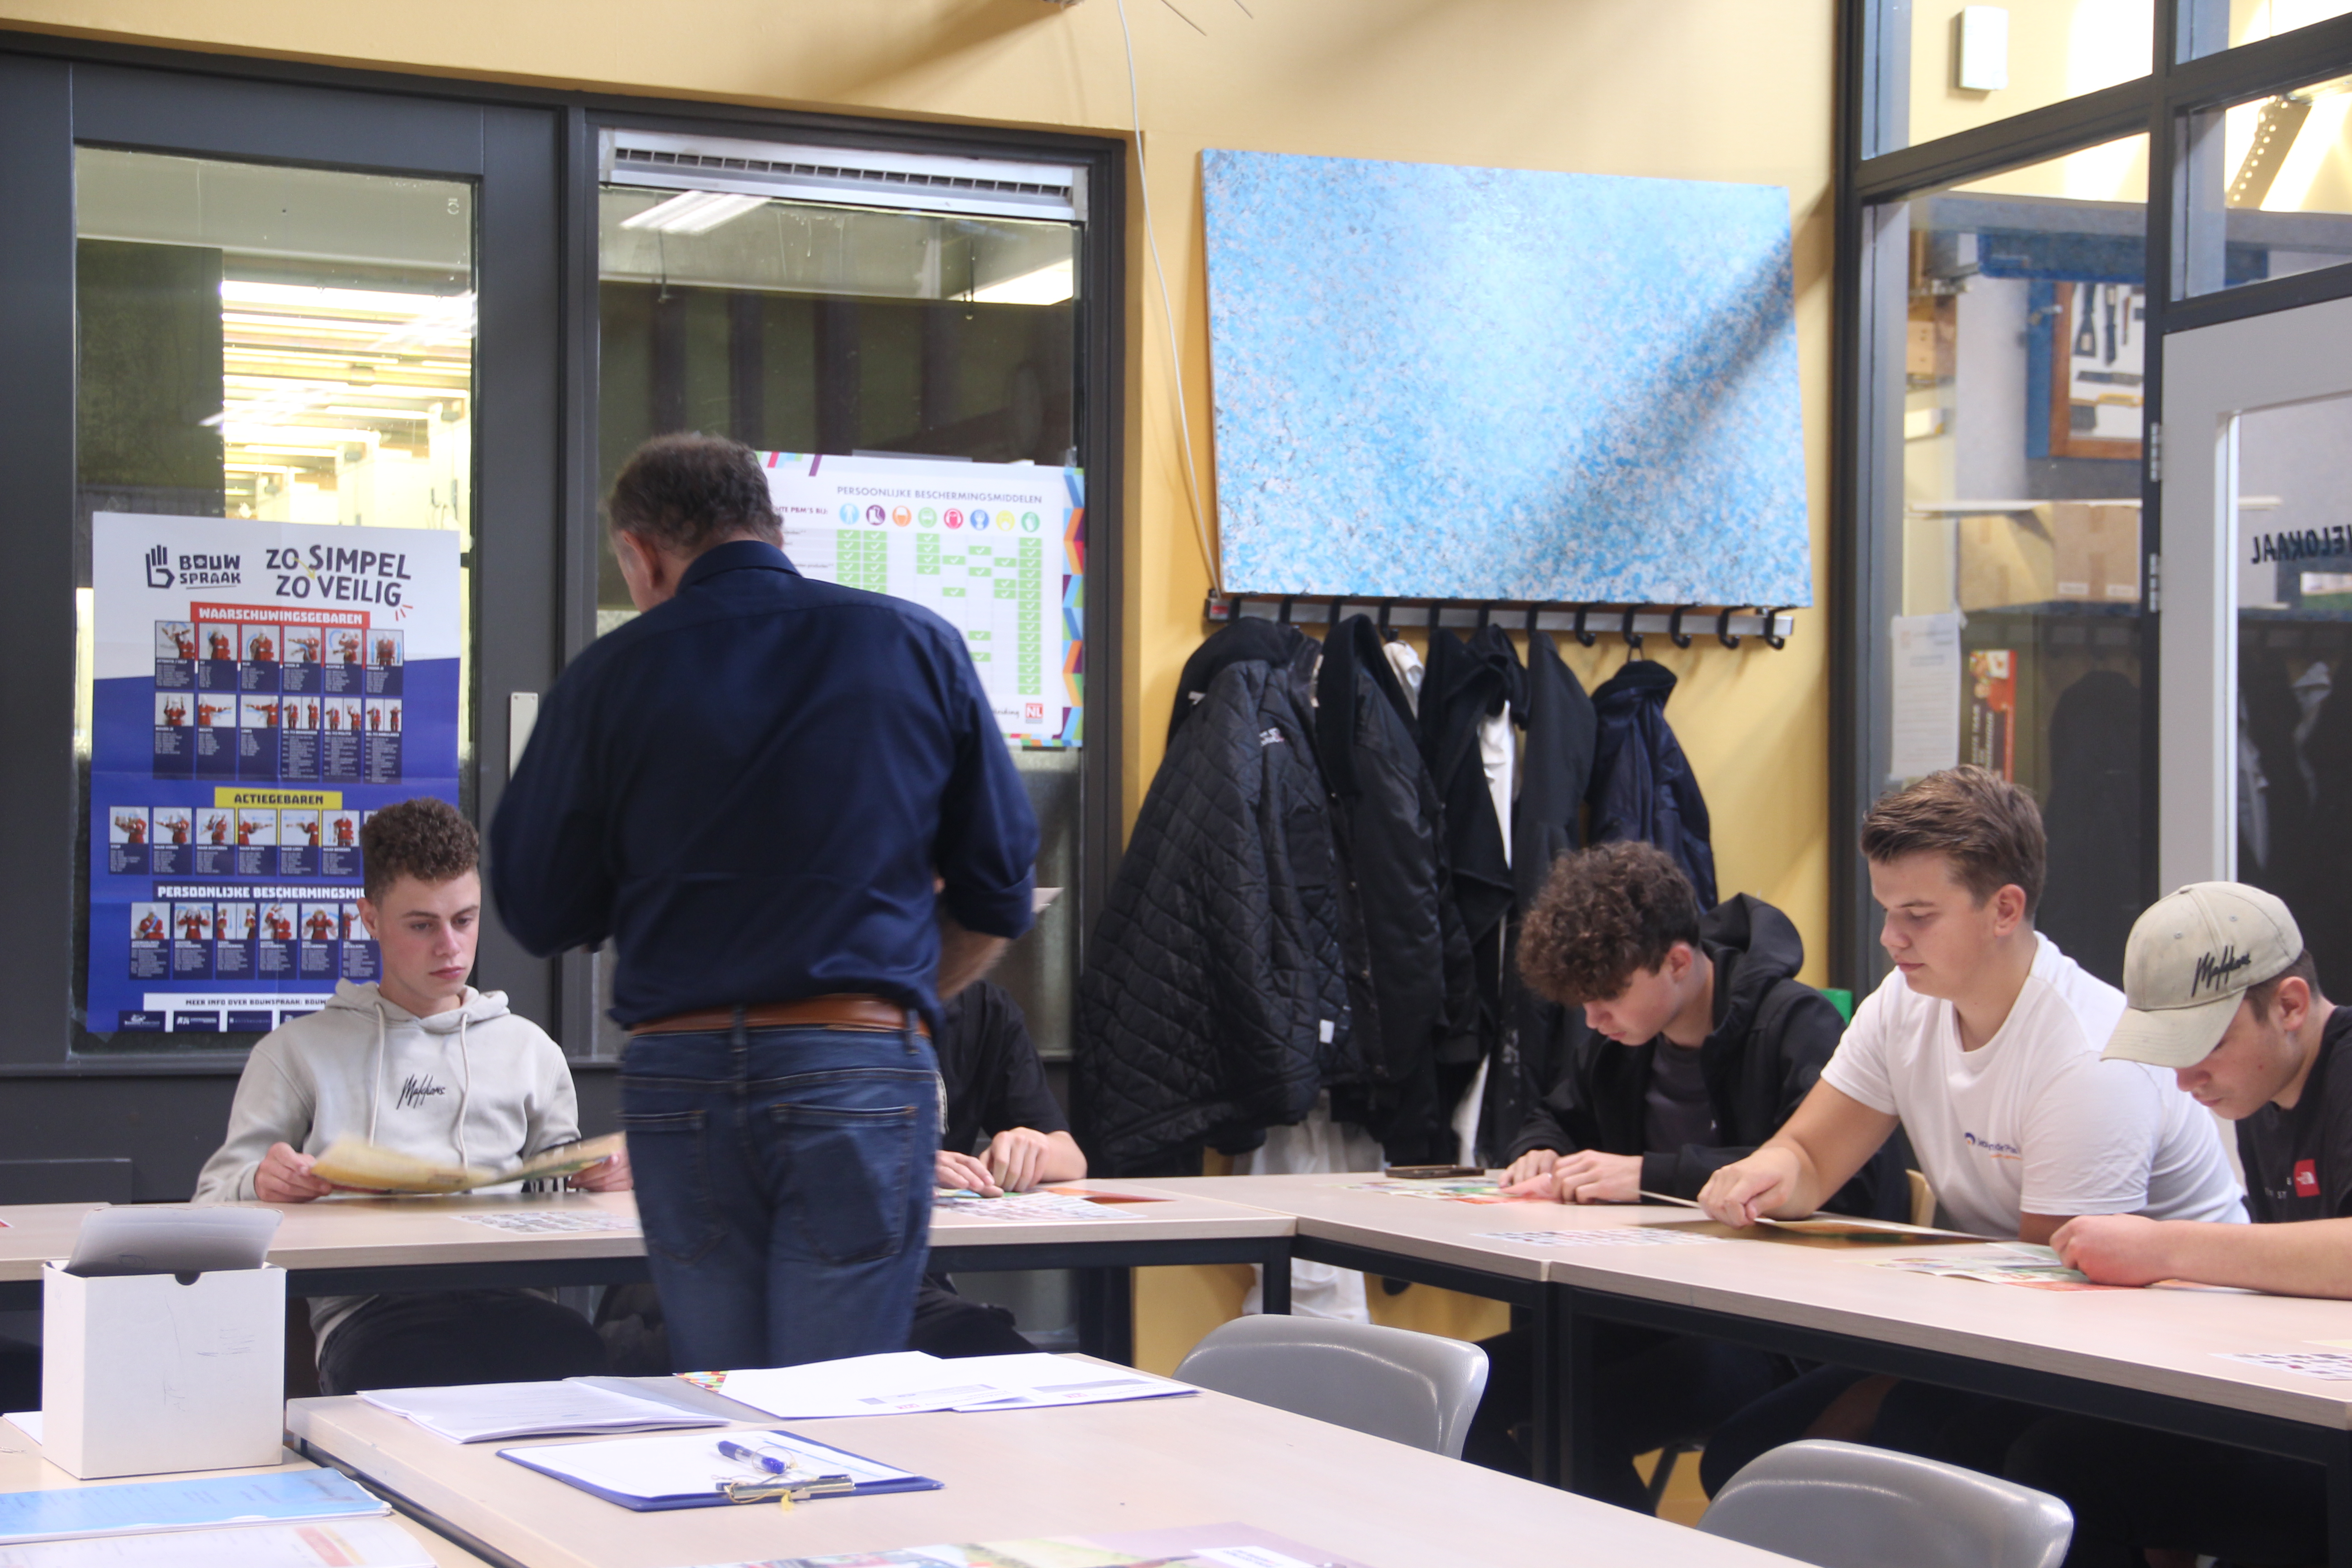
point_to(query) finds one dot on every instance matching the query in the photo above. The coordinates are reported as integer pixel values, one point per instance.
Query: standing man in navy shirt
(754, 790)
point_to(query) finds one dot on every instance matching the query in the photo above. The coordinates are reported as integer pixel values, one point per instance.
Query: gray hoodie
(476, 1085)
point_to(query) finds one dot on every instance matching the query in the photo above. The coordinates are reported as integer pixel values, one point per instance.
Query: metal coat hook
(1386, 606)
(1722, 632)
(1284, 615)
(1533, 611)
(1625, 629)
(1485, 613)
(1674, 632)
(1583, 637)
(1772, 637)
(1436, 609)
(1337, 605)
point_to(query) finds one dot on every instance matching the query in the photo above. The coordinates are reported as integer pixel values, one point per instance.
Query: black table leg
(1565, 1422)
(1274, 1290)
(1106, 1315)
(2339, 1501)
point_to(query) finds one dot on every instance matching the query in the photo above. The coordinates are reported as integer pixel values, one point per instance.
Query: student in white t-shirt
(1984, 1046)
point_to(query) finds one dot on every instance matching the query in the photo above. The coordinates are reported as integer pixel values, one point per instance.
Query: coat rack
(1679, 623)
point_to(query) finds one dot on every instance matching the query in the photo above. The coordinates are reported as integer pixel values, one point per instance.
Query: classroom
(1502, 725)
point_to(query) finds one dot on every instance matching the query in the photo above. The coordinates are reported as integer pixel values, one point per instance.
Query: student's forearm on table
(1065, 1161)
(2312, 1258)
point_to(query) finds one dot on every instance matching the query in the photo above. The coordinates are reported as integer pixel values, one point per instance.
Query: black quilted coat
(1213, 1001)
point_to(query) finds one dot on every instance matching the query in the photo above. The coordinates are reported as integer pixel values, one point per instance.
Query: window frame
(1866, 449)
(531, 153)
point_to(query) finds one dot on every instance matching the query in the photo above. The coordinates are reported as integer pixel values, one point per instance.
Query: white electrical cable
(1167, 311)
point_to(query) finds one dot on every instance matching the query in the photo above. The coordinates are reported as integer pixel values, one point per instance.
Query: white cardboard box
(141, 1374)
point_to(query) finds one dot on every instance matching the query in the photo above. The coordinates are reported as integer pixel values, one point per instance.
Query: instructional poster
(261, 689)
(996, 549)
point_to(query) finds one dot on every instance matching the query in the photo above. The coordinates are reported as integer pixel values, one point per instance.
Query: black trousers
(435, 1339)
(1936, 1423)
(1653, 1389)
(2132, 1488)
(947, 1324)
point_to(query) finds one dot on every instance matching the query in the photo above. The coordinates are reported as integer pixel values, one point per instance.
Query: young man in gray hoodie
(422, 1063)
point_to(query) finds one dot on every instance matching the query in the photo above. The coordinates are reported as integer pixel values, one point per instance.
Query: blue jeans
(784, 1179)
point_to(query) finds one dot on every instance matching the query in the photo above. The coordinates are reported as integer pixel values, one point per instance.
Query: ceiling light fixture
(1049, 285)
(696, 211)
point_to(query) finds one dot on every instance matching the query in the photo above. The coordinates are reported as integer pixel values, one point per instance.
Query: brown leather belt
(843, 1012)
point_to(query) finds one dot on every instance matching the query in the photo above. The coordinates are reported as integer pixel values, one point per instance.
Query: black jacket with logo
(1772, 1036)
(2299, 1163)
(1213, 1004)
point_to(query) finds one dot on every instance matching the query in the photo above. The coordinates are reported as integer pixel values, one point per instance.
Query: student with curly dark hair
(1697, 1043)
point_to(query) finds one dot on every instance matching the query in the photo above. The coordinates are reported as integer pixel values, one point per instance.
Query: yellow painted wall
(1714, 89)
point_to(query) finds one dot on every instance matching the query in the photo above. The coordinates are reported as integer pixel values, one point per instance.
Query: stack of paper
(490, 1412)
(366, 1167)
(347, 1543)
(658, 1473)
(905, 1382)
(145, 1506)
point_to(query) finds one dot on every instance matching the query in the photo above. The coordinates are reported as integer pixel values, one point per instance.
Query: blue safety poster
(261, 688)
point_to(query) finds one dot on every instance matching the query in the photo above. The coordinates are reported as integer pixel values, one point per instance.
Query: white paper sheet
(1034, 1382)
(692, 1465)
(28, 1422)
(355, 1543)
(485, 1411)
(1926, 671)
(900, 1383)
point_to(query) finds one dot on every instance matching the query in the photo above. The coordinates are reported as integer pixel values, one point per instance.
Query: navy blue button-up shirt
(749, 789)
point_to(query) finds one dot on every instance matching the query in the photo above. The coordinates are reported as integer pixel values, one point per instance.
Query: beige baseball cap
(2192, 956)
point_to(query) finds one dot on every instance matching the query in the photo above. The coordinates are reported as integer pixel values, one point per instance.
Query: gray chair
(1839, 1505)
(1392, 1383)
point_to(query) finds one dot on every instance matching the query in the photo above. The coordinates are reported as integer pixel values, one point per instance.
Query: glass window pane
(803, 328)
(2294, 631)
(2208, 26)
(282, 344)
(1972, 65)
(2020, 579)
(2269, 188)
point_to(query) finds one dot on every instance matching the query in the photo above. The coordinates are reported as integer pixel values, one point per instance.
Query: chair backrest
(1923, 1201)
(1839, 1505)
(1392, 1383)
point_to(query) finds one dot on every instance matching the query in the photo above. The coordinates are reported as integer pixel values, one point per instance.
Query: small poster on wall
(260, 688)
(996, 549)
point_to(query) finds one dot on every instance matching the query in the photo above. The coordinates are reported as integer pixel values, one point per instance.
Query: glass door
(2257, 615)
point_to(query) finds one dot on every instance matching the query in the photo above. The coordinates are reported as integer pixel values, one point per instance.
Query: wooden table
(1146, 1465)
(356, 1246)
(2153, 1358)
(24, 1470)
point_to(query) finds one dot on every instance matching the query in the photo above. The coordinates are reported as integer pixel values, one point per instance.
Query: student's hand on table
(2115, 1248)
(1739, 1192)
(611, 1175)
(1593, 1177)
(1524, 1170)
(284, 1177)
(953, 1171)
(1015, 1158)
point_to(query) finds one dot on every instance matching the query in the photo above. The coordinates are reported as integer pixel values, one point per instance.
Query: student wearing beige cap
(2220, 991)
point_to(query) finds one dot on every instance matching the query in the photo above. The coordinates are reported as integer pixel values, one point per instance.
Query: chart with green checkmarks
(996, 549)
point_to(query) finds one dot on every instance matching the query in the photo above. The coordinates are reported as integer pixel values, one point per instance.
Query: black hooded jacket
(1772, 1036)
(1213, 1004)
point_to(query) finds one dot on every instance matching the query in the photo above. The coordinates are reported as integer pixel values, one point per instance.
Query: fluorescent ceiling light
(2321, 134)
(1049, 285)
(696, 211)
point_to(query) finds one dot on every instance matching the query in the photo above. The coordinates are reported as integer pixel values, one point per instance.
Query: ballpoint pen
(768, 1462)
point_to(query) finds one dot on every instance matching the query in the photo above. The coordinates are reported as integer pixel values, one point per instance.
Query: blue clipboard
(547, 1460)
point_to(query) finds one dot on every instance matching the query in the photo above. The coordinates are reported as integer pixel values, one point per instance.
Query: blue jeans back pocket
(846, 1176)
(669, 1154)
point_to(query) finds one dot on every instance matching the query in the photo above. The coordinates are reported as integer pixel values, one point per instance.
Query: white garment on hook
(1315, 1146)
(1409, 671)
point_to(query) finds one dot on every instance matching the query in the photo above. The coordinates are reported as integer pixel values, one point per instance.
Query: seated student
(994, 1084)
(2223, 995)
(1702, 1041)
(419, 1062)
(1984, 1044)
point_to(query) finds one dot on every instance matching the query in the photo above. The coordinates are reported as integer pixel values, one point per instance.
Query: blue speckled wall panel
(1501, 383)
